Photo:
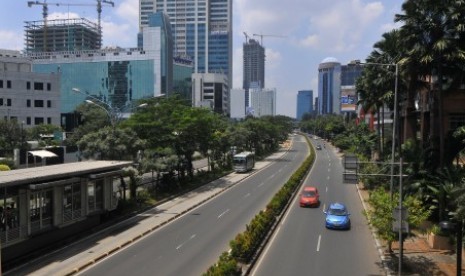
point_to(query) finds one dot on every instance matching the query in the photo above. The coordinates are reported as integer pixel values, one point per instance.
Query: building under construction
(62, 35)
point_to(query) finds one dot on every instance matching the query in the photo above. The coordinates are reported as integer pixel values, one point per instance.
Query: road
(303, 246)
(194, 241)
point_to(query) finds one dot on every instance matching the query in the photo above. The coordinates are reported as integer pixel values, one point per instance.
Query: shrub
(4, 167)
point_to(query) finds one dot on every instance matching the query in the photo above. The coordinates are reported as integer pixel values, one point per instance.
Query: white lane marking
(327, 177)
(329, 169)
(261, 184)
(182, 244)
(326, 188)
(272, 176)
(223, 213)
(324, 206)
(247, 195)
(318, 245)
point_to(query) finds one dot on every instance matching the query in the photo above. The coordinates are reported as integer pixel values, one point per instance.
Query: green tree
(434, 33)
(382, 207)
(111, 143)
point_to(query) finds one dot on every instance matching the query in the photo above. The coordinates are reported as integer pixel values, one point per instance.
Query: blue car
(337, 216)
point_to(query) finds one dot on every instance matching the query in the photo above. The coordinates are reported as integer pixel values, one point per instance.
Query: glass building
(304, 103)
(202, 31)
(329, 87)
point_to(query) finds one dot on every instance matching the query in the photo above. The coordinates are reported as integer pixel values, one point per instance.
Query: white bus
(243, 161)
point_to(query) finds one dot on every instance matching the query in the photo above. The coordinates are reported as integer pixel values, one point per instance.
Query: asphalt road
(303, 246)
(194, 241)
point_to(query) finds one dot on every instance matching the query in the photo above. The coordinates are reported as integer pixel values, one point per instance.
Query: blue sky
(310, 31)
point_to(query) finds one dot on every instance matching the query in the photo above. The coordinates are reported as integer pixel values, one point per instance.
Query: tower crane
(267, 35)
(45, 12)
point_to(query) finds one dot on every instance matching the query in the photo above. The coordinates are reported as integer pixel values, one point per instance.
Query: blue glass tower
(304, 103)
(329, 86)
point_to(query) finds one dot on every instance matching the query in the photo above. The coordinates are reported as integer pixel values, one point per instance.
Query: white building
(211, 90)
(30, 98)
(237, 103)
(262, 102)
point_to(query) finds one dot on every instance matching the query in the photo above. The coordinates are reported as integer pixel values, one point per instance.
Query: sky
(297, 34)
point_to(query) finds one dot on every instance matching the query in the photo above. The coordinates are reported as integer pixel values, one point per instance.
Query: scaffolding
(62, 35)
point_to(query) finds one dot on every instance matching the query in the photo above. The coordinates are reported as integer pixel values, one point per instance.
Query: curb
(377, 242)
(139, 236)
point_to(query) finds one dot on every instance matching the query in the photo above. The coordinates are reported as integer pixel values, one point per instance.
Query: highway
(303, 246)
(193, 242)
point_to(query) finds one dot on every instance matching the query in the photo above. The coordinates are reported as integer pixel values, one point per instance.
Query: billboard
(348, 99)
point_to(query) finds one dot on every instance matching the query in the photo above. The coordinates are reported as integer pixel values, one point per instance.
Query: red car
(309, 197)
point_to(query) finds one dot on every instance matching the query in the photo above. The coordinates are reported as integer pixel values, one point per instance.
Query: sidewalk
(418, 257)
(84, 253)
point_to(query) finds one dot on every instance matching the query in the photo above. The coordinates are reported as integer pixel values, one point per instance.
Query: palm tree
(433, 34)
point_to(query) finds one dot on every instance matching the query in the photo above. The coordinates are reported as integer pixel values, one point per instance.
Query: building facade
(115, 76)
(28, 97)
(304, 103)
(349, 97)
(262, 102)
(202, 31)
(212, 91)
(329, 87)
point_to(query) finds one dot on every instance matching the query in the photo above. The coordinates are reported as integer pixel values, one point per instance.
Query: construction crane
(45, 12)
(267, 35)
(246, 37)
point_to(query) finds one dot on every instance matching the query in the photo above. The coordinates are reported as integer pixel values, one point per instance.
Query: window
(72, 202)
(1, 83)
(28, 103)
(49, 103)
(49, 86)
(95, 195)
(1, 101)
(38, 121)
(49, 120)
(38, 103)
(28, 121)
(8, 84)
(8, 102)
(41, 209)
(38, 86)
(28, 85)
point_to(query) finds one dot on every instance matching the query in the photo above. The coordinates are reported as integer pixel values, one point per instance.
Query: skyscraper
(329, 86)
(304, 103)
(254, 67)
(202, 31)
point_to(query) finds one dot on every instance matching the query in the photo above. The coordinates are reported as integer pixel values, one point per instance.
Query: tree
(434, 33)
(111, 143)
(380, 215)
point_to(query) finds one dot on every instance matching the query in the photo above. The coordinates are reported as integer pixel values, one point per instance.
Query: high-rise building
(254, 66)
(62, 35)
(304, 103)
(262, 102)
(349, 75)
(237, 99)
(202, 31)
(211, 91)
(329, 87)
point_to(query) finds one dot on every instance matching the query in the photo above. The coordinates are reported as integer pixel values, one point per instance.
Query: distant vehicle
(243, 161)
(318, 147)
(337, 216)
(309, 197)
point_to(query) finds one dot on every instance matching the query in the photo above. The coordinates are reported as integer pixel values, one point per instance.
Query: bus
(243, 161)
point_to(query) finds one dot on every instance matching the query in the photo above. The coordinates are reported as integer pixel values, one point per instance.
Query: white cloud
(309, 41)
(11, 40)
